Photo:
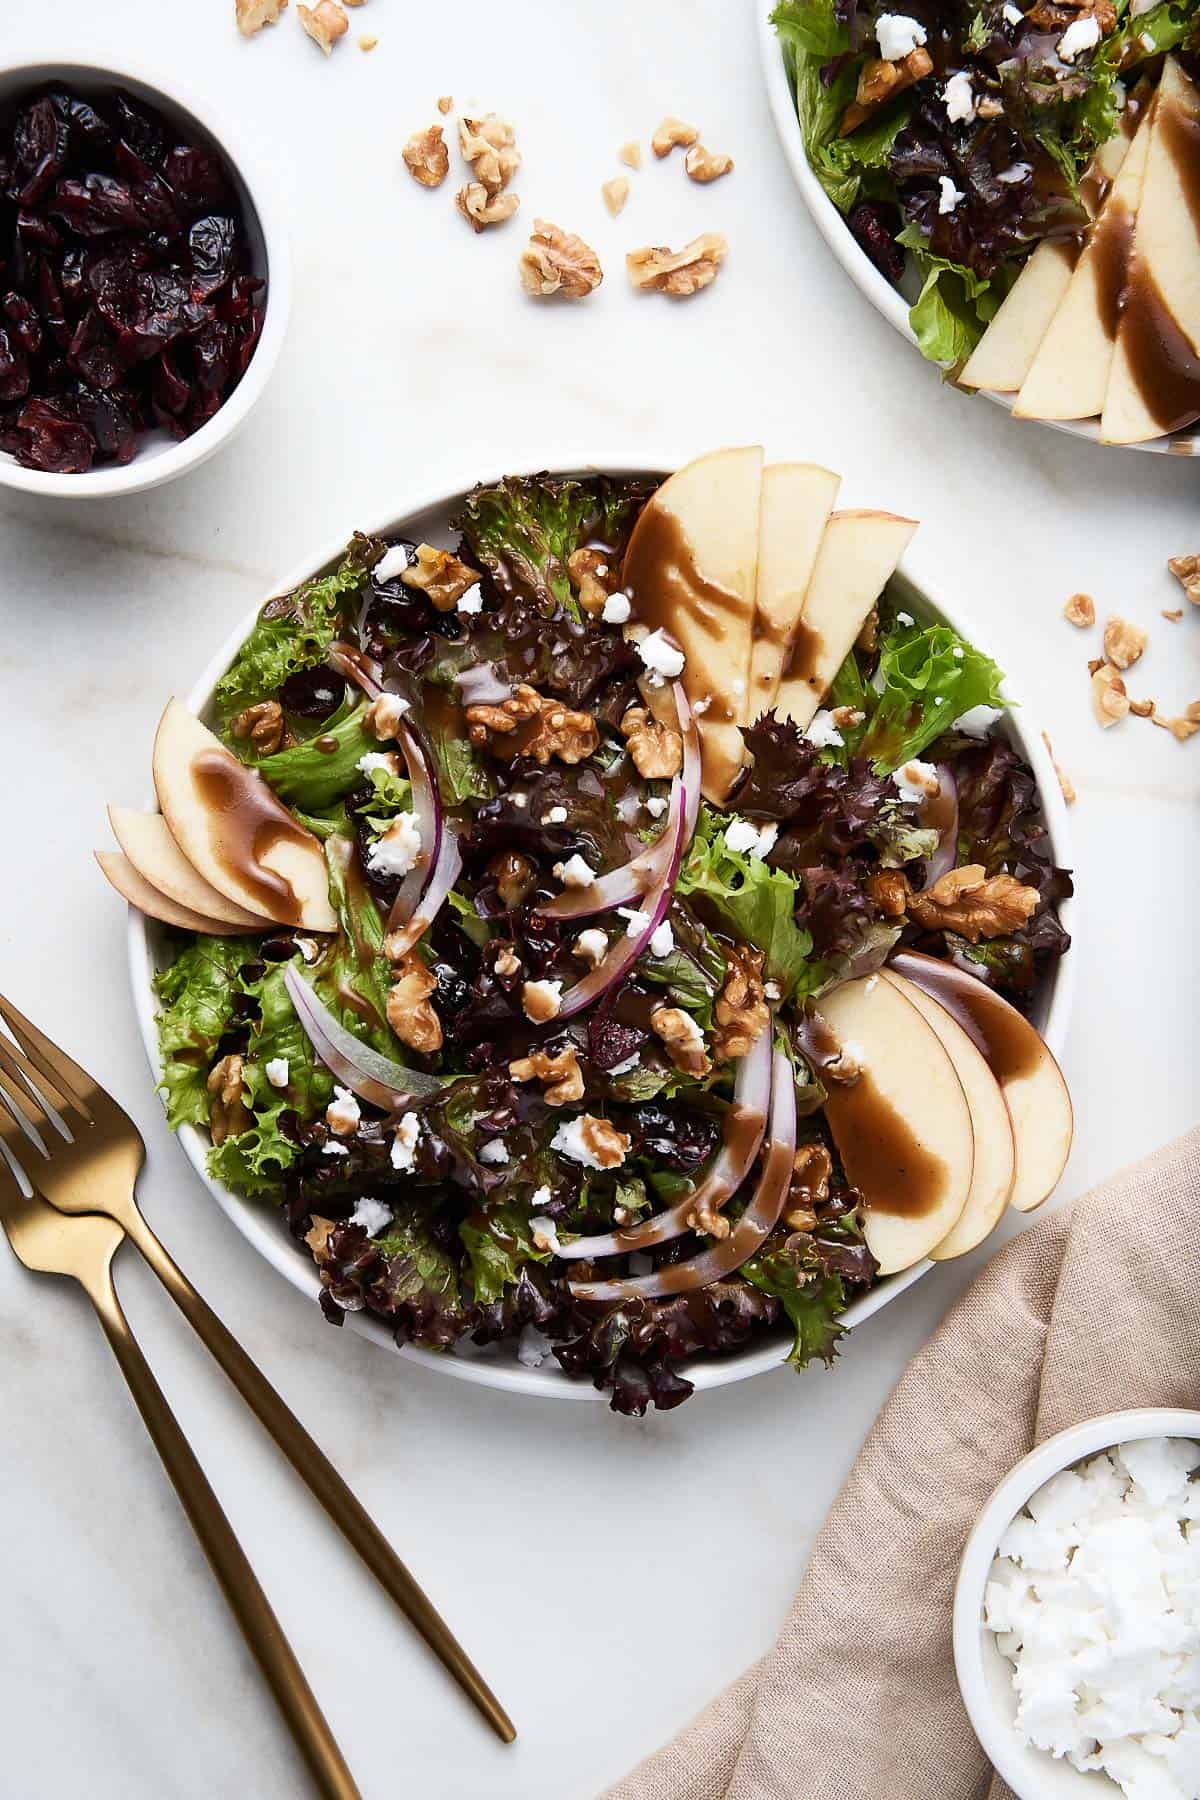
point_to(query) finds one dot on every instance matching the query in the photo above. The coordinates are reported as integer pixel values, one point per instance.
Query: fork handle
(249, 1605)
(319, 1474)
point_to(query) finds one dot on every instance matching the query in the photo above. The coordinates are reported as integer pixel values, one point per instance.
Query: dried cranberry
(87, 132)
(38, 232)
(195, 177)
(26, 326)
(451, 993)
(92, 352)
(870, 227)
(141, 127)
(14, 367)
(212, 242)
(278, 948)
(676, 1136)
(54, 440)
(40, 142)
(312, 693)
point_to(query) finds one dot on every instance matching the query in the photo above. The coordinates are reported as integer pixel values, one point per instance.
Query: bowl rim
(862, 271)
(246, 155)
(1018, 1763)
(261, 1227)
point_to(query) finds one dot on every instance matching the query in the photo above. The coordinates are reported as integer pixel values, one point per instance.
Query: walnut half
(252, 15)
(228, 1114)
(741, 1012)
(558, 262)
(1123, 642)
(325, 23)
(426, 157)
(682, 1039)
(974, 904)
(559, 730)
(561, 1075)
(656, 749)
(481, 209)
(409, 1010)
(441, 575)
(262, 724)
(706, 165)
(658, 270)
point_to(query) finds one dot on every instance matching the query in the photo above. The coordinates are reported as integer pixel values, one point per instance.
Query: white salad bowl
(891, 302)
(160, 457)
(427, 518)
(984, 1673)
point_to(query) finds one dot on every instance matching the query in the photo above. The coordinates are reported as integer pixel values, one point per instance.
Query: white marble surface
(608, 1575)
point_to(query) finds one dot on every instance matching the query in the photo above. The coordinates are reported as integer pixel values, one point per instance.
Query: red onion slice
(745, 1123)
(444, 874)
(364, 1071)
(427, 809)
(752, 1228)
(354, 666)
(940, 813)
(625, 950)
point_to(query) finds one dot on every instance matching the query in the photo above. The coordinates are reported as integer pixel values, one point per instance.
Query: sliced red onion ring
(745, 1123)
(940, 813)
(362, 670)
(445, 873)
(364, 1071)
(624, 951)
(427, 809)
(752, 1228)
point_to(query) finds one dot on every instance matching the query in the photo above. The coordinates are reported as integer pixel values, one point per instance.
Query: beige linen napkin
(1095, 1309)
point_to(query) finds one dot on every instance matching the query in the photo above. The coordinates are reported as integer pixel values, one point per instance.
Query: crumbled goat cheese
(772, 990)
(541, 1000)
(1094, 1597)
(404, 1143)
(494, 1151)
(957, 653)
(949, 196)
(635, 921)
(1018, 172)
(822, 732)
(393, 562)
(662, 939)
(959, 97)
(623, 1068)
(333, 1148)
(660, 655)
(977, 721)
(343, 1114)
(544, 1233)
(1081, 34)
(700, 707)
(591, 945)
(520, 799)
(914, 780)
(1011, 14)
(616, 610)
(277, 1071)
(742, 836)
(572, 1139)
(533, 1347)
(898, 36)
(386, 712)
(903, 618)
(574, 873)
(541, 1197)
(378, 759)
(396, 852)
(556, 816)
(308, 949)
(372, 1215)
(471, 601)
(656, 806)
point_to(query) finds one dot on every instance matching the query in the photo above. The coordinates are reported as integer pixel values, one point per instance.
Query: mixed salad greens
(442, 1109)
(957, 136)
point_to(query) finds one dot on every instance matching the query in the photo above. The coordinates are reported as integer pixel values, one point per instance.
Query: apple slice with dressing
(691, 569)
(857, 558)
(903, 1127)
(233, 830)
(132, 885)
(146, 841)
(1035, 1093)
(796, 502)
(995, 1148)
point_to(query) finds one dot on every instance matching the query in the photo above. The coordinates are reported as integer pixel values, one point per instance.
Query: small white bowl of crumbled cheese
(1077, 1613)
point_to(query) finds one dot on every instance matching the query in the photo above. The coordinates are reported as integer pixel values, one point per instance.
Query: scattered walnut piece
(741, 1012)
(1142, 709)
(252, 15)
(325, 23)
(487, 144)
(615, 193)
(1110, 702)
(889, 890)
(682, 1039)
(1186, 570)
(706, 165)
(974, 904)
(670, 133)
(515, 878)
(228, 1114)
(426, 157)
(441, 575)
(657, 750)
(480, 210)
(319, 1234)
(594, 577)
(409, 1010)
(1183, 728)
(262, 724)
(1080, 610)
(659, 270)
(382, 718)
(1064, 780)
(507, 963)
(879, 81)
(1123, 642)
(607, 1146)
(630, 154)
(868, 637)
(561, 1075)
(560, 731)
(846, 717)
(445, 103)
(812, 1169)
(705, 1217)
(559, 262)
(354, 2)
(541, 1000)
(1173, 613)
(366, 39)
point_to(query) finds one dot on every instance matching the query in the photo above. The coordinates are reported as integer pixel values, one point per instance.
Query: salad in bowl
(615, 938)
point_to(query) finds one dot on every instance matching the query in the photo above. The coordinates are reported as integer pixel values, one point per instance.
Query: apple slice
(1154, 381)
(233, 830)
(857, 558)
(796, 502)
(995, 1148)
(903, 1128)
(147, 843)
(691, 569)
(132, 885)
(1035, 1093)
(1069, 375)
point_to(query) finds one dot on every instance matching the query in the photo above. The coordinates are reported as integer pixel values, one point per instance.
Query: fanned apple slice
(903, 1128)
(1069, 375)
(857, 558)
(132, 885)
(995, 1148)
(148, 845)
(233, 830)
(1154, 380)
(796, 502)
(1035, 1093)
(691, 569)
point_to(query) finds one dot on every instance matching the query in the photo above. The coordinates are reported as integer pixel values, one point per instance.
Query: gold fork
(90, 1166)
